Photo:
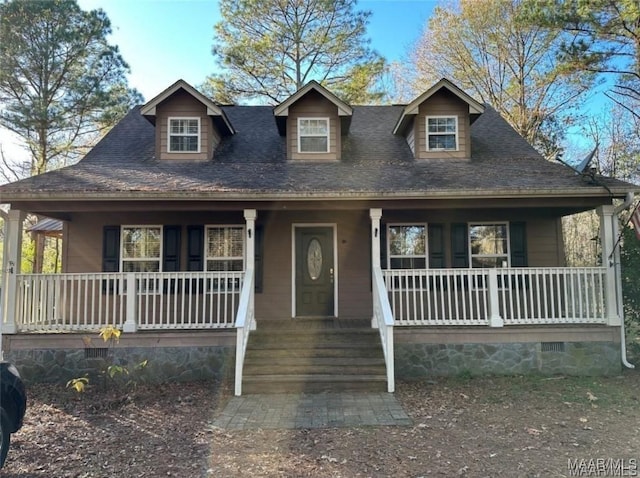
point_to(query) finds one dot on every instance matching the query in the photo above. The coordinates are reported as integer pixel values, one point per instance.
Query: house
(194, 227)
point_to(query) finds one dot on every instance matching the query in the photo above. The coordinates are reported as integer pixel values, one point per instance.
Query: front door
(314, 259)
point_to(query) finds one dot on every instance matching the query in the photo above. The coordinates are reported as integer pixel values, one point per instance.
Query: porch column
(376, 215)
(11, 262)
(250, 216)
(611, 262)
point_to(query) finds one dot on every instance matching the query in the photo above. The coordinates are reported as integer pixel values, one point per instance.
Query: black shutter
(459, 246)
(518, 244)
(195, 248)
(436, 246)
(111, 249)
(171, 248)
(383, 245)
(259, 258)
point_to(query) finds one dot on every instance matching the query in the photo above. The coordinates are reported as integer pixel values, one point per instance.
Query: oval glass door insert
(314, 259)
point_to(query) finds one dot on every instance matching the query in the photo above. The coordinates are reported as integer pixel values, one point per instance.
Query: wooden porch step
(313, 383)
(345, 367)
(328, 351)
(314, 356)
(316, 338)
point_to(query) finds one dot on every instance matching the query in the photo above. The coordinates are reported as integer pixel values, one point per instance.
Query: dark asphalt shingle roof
(375, 163)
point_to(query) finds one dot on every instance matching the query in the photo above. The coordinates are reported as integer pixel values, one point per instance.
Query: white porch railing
(496, 296)
(245, 323)
(383, 321)
(157, 301)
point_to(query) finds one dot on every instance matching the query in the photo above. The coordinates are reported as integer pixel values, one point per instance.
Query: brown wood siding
(353, 271)
(85, 232)
(182, 104)
(443, 103)
(314, 105)
(545, 243)
(543, 247)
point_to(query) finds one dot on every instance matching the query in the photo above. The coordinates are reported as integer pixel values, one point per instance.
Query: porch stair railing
(245, 323)
(383, 321)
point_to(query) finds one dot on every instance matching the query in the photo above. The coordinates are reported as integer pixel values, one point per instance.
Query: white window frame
(507, 238)
(212, 285)
(428, 133)
(328, 135)
(140, 259)
(426, 243)
(151, 286)
(169, 134)
(208, 258)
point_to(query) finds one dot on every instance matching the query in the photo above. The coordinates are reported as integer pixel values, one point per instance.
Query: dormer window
(442, 133)
(184, 135)
(313, 135)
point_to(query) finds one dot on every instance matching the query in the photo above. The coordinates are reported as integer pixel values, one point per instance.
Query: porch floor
(322, 410)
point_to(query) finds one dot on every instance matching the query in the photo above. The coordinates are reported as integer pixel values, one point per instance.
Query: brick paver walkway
(323, 410)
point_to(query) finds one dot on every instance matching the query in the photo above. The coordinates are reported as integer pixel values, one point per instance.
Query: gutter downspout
(623, 343)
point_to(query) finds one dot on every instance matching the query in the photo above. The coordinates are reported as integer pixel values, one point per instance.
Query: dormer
(313, 120)
(437, 124)
(189, 125)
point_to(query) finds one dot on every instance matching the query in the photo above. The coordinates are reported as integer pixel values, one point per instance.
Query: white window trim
(231, 258)
(426, 129)
(169, 135)
(426, 243)
(489, 223)
(140, 226)
(156, 284)
(328, 135)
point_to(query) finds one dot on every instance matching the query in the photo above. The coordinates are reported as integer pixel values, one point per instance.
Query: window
(141, 248)
(313, 135)
(489, 245)
(224, 248)
(442, 133)
(184, 135)
(407, 246)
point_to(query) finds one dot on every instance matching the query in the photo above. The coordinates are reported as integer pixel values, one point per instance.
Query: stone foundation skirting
(422, 360)
(169, 356)
(163, 364)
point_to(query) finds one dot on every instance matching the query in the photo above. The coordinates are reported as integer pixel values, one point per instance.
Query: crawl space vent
(96, 352)
(552, 346)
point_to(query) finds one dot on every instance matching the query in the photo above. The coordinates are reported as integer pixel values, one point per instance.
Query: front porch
(435, 301)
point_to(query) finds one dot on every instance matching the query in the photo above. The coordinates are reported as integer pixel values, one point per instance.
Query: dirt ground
(477, 427)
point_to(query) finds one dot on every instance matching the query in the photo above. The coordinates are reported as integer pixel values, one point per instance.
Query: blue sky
(164, 40)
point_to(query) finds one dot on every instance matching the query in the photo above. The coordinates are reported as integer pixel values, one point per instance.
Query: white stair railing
(383, 321)
(245, 323)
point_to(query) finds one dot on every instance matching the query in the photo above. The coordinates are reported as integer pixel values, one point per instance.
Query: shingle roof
(252, 164)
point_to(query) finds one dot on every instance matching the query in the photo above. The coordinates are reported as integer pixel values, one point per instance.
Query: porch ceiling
(541, 206)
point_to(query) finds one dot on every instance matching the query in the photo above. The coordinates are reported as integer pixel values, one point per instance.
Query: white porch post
(494, 301)
(12, 261)
(376, 215)
(131, 323)
(250, 216)
(611, 262)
